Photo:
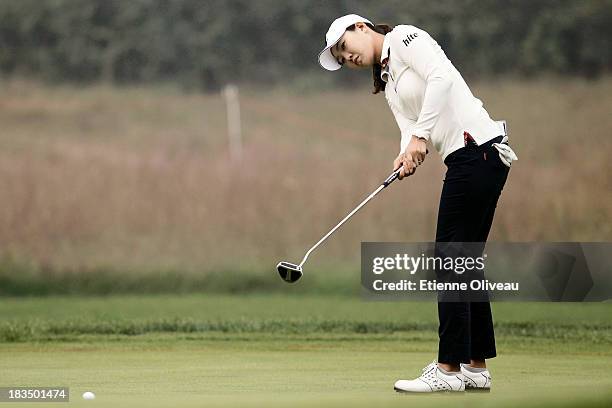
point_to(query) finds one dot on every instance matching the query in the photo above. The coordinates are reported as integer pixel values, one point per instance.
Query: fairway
(275, 350)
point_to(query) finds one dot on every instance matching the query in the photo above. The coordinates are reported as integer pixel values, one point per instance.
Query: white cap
(335, 32)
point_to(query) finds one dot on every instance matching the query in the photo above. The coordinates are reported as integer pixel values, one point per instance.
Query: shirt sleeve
(405, 125)
(420, 52)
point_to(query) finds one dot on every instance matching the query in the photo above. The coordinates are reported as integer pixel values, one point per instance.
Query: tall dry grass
(137, 179)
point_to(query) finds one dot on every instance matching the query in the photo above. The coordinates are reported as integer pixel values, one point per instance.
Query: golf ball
(89, 395)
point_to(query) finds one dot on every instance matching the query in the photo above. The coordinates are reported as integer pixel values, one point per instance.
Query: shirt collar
(385, 48)
(384, 55)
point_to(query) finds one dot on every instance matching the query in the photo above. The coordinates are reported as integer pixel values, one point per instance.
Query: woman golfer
(431, 102)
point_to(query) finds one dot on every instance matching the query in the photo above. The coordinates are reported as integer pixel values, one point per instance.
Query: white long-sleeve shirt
(428, 96)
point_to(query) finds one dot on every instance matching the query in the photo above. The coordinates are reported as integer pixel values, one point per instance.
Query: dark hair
(379, 84)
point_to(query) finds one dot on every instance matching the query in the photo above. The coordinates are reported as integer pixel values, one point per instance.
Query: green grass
(282, 372)
(67, 318)
(279, 350)
(19, 277)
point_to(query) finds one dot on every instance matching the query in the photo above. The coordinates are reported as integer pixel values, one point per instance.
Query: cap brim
(327, 60)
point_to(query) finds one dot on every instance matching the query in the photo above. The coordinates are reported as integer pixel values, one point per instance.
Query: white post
(234, 130)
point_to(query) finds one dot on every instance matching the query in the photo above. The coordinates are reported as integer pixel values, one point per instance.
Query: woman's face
(355, 49)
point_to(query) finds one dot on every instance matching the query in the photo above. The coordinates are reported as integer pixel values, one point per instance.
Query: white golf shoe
(432, 380)
(476, 380)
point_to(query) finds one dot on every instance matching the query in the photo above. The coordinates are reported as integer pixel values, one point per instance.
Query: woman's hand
(408, 168)
(411, 158)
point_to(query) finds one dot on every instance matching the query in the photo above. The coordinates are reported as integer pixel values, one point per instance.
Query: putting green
(279, 350)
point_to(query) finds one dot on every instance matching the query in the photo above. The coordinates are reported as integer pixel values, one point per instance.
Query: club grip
(393, 176)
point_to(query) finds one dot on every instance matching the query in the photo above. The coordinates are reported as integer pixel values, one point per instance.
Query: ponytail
(379, 84)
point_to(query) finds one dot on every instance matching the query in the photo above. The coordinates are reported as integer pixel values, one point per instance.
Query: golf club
(291, 272)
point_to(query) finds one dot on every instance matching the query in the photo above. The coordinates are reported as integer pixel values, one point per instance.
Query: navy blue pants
(473, 183)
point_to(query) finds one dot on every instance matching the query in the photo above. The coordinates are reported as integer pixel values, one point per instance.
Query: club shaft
(368, 198)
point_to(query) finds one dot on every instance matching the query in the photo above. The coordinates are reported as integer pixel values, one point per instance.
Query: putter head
(289, 272)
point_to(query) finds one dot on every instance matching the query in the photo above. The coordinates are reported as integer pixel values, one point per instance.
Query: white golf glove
(506, 154)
